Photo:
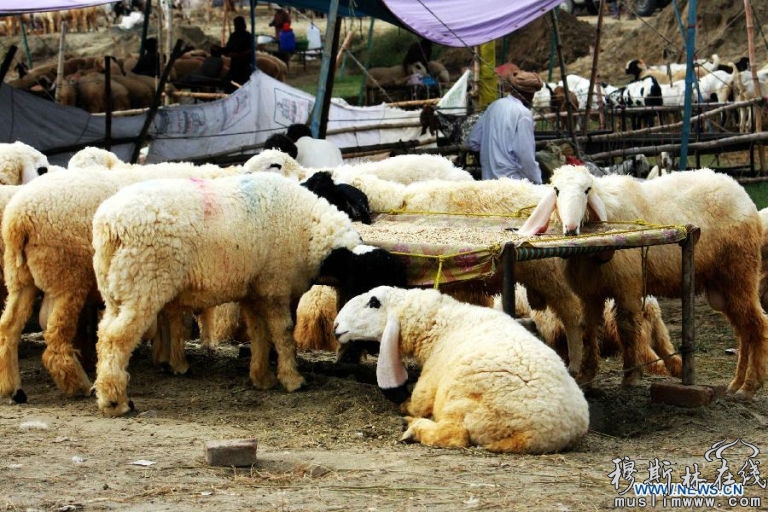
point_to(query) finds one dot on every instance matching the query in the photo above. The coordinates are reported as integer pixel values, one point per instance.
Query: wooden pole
(145, 26)
(25, 42)
(108, 106)
(156, 101)
(6, 65)
(690, 47)
(564, 75)
(367, 62)
(753, 67)
(688, 344)
(593, 74)
(60, 63)
(224, 22)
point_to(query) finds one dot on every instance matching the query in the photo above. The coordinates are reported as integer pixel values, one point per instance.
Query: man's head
(239, 23)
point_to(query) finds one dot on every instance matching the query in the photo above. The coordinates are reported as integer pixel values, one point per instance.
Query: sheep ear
(539, 219)
(391, 375)
(596, 207)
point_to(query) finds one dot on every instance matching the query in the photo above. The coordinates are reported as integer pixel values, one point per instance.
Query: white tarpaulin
(264, 106)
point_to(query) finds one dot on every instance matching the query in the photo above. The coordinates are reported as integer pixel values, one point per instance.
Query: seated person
(311, 152)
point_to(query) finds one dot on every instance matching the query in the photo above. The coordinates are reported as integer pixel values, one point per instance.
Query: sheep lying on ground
(148, 258)
(485, 380)
(403, 169)
(727, 256)
(47, 228)
(656, 351)
(388, 76)
(20, 163)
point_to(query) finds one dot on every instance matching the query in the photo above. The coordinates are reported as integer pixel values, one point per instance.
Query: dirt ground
(335, 445)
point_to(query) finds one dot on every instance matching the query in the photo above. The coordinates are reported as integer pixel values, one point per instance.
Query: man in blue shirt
(504, 133)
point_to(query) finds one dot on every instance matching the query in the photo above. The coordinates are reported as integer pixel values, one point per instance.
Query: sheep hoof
(408, 437)
(20, 397)
(166, 368)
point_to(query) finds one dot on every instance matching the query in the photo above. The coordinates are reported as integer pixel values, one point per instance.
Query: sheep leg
(569, 314)
(593, 319)
(205, 321)
(60, 357)
(119, 334)
(280, 326)
(660, 340)
(170, 335)
(261, 375)
(18, 308)
(751, 328)
(444, 434)
(629, 324)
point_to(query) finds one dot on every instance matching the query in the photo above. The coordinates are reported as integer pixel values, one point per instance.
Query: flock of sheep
(155, 242)
(662, 85)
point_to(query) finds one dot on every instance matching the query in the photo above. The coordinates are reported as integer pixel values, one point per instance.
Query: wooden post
(564, 75)
(108, 106)
(145, 26)
(367, 63)
(753, 67)
(60, 63)
(6, 65)
(593, 74)
(508, 257)
(690, 47)
(25, 42)
(156, 101)
(688, 344)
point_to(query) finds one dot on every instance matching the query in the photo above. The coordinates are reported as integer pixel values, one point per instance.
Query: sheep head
(358, 270)
(369, 317)
(273, 160)
(572, 197)
(91, 156)
(20, 163)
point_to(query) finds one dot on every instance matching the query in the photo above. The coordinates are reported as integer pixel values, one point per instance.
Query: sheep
(645, 92)
(389, 76)
(403, 169)
(727, 262)
(91, 156)
(47, 236)
(20, 163)
(485, 380)
(656, 350)
(148, 258)
(438, 71)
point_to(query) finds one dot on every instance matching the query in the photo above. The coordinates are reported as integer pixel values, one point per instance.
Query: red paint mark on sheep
(206, 193)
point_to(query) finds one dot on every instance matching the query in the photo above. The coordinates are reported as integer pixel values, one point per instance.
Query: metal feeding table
(439, 248)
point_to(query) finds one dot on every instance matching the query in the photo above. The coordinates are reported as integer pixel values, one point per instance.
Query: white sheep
(91, 157)
(47, 237)
(727, 256)
(485, 380)
(402, 169)
(20, 163)
(258, 239)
